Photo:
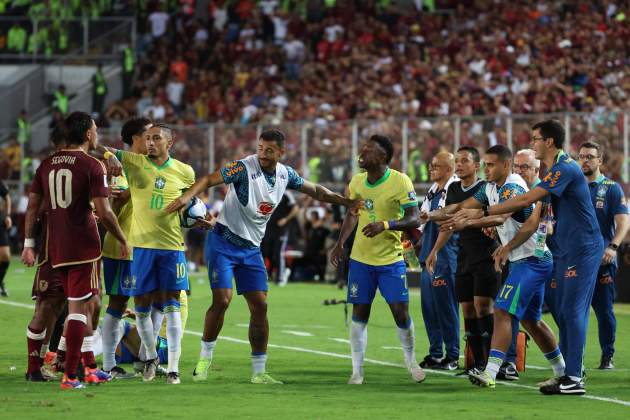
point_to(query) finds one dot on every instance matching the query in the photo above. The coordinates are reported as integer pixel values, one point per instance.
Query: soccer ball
(194, 210)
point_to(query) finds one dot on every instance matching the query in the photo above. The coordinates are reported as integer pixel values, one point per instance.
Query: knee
(259, 309)
(221, 303)
(501, 316)
(483, 309)
(402, 319)
(468, 310)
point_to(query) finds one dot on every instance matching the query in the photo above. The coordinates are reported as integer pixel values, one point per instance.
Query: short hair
(530, 155)
(502, 152)
(551, 129)
(592, 145)
(133, 127)
(273, 134)
(473, 151)
(165, 128)
(77, 124)
(386, 143)
(59, 134)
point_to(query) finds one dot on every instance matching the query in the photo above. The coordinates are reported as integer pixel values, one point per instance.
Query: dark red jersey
(67, 181)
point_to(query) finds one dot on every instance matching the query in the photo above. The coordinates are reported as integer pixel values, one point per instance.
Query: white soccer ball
(194, 210)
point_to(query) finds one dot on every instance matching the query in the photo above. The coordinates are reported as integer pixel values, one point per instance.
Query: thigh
(47, 283)
(117, 276)
(486, 279)
(361, 283)
(464, 286)
(4, 236)
(521, 294)
(172, 270)
(143, 272)
(80, 281)
(392, 282)
(250, 274)
(578, 283)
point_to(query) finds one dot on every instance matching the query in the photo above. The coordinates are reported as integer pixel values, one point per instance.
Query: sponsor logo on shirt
(234, 170)
(552, 178)
(606, 279)
(438, 282)
(265, 208)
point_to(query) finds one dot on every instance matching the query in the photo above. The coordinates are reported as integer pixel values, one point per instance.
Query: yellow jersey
(152, 189)
(385, 200)
(111, 246)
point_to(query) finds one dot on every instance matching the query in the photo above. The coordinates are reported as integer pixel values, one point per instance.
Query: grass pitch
(309, 351)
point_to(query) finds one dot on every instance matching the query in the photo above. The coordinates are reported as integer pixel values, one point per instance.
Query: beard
(587, 172)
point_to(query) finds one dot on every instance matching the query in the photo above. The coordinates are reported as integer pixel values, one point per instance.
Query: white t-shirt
(268, 6)
(294, 49)
(332, 32)
(175, 91)
(159, 21)
(281, 26)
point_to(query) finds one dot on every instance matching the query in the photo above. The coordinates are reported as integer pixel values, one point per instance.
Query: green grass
(315, 384)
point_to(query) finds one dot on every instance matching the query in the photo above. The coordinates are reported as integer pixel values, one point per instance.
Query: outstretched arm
(108, 154)
(321, 193)
(202, 184)
(509, 206)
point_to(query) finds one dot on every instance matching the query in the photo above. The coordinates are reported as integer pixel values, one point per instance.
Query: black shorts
(477, 279)
(4, 235)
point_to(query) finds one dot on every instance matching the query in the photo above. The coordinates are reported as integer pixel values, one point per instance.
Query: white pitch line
(339, 340)
(392, 348)
(298, 333)
(346, 356)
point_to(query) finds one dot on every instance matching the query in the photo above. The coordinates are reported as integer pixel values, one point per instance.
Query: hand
(8, 222)
(124, 251)
(28, 257)
(115, 192)
(129, 314)
(177, 204)
(501, 256)
(451, 225)
(465, 215)
(373, 229)
(424, 217)
(490, 232)
(282, 222)
(355, 205)
(430, 262)
(337, 254)
(206, 223)
(609, 256)
(114, 167)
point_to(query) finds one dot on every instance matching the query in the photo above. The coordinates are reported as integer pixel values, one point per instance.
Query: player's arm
(348, 225)
(442, 239)
(34, 203)
(321, 193)
(108, 154)
(410, 220)
(509, 206)
(501, 254)
(109, 220)
(621, 224)
(202, 184)
(7, 211)
(120, 198)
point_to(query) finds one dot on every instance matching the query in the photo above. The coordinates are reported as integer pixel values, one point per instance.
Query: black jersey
(474, 244)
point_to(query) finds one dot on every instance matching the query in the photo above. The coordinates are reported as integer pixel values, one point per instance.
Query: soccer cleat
(417, 374)
(564, 386)
(200, 373)
(96, 376)
(264, 378)
(448, 364)
(284, 278)
(356, 379)
(119, 373)
(549, 382)
(606, 363)
(67, 383)
(481, 378)
(172, 378)
(36, 376)
(150, 367)
(430, 362)
(4, 292)
(160, 371)
(507, 372)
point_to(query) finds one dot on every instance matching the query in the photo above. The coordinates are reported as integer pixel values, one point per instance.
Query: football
(194, 210)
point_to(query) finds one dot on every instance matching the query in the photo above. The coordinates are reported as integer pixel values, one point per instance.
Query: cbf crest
(354, 290)
(160, 183)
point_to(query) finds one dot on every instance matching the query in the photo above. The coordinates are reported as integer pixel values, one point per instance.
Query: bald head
(442, 167)
(527, 166)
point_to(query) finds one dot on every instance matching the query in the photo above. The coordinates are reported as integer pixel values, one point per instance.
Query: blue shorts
(227, 261)
(118, 279)
(390, 279)
(158, 269)
(523, 292)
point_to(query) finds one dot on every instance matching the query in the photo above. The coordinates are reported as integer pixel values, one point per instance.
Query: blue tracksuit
(608, 201)
(438, 299)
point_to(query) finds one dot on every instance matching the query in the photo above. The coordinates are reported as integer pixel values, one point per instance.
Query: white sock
(111, 328)
(87, 344)
(157, 317)
(174, 337)
(62, 343)
(145, 331)
(358, 344)
(207, 349)
(492, 368)
(407, 341)
(259, 362)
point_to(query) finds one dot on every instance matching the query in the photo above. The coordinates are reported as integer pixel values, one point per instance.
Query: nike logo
(571, 267)
(567, 387)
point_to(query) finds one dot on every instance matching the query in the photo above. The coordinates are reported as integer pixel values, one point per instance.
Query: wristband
(613, 246)
(108, 155)
(29, 243)
(392, 224)
(386, 225)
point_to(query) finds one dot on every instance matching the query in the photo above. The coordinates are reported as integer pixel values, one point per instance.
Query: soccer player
(612, 215)
(576, 242)
(159, 262)
(5, 225)
(521, 297)
(376, 260)
(68, 181)
(440, 310)
(476, 280)
(47, 290)
(117, 271)
(256, 186)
